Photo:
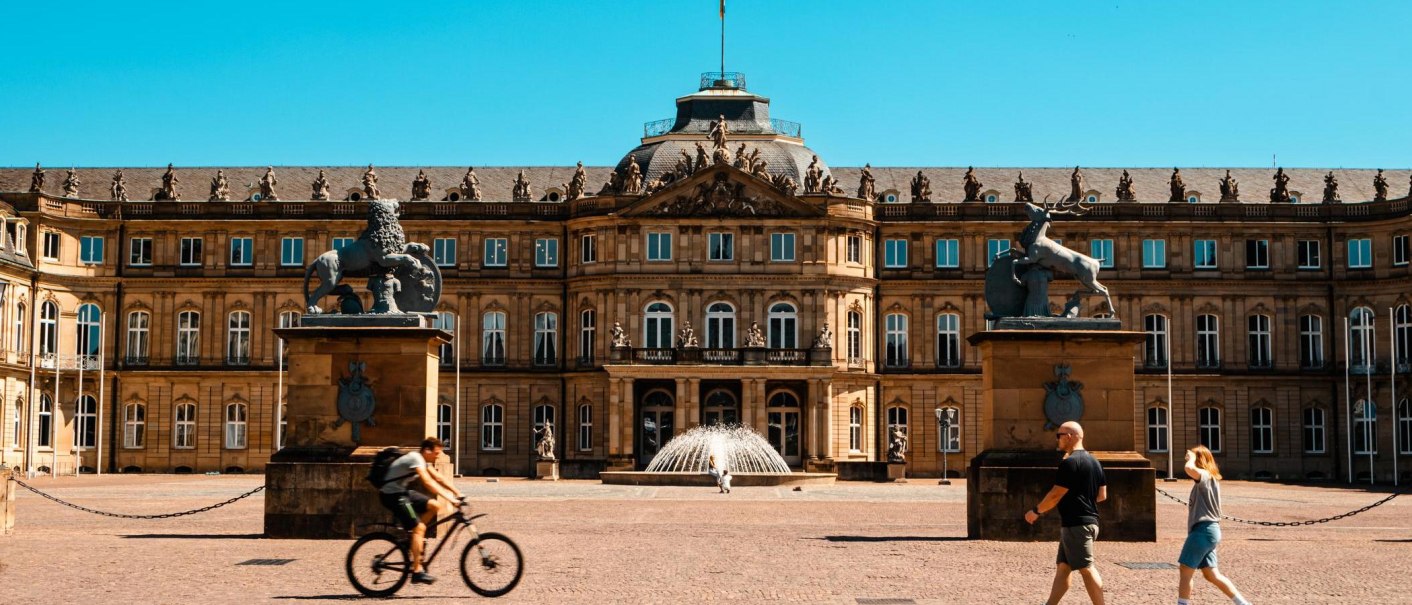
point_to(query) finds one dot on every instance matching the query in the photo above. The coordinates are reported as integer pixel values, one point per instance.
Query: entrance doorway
(782, 414)
(720, 407)
(656, 424)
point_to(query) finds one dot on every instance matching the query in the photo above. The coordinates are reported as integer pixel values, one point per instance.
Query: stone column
(693, 398)
(679, 410)
(811, 411)
(760, 403)
(628, 424)
(826, 412)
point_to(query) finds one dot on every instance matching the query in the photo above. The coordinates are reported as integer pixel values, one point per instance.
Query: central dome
(747, 116)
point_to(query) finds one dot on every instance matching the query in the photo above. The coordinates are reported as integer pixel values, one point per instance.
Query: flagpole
(1171, 447)
(279, 393)
(102, 387)
(456, 411)
(1348, 398)
(1392, 380)
(31, 451)
(79, 428)
(54, 412)
(1369, 410)
(723, 39)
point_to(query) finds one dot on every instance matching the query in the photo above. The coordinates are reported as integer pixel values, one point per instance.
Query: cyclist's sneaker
(423, 577)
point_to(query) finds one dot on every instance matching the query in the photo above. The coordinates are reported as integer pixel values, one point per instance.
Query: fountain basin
(704, 480)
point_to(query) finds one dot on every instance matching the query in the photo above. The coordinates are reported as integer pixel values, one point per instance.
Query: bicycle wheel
(378, 565)
(492, 565)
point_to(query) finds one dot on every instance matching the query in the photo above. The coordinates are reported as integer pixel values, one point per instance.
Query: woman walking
(1203, 528)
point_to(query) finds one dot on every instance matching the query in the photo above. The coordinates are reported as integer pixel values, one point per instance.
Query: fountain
(751, 460)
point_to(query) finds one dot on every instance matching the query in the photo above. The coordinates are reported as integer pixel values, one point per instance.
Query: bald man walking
(1078, 488)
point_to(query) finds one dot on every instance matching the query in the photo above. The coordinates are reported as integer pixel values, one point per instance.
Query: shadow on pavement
(198, 536)
(359, 597)
(891, 538)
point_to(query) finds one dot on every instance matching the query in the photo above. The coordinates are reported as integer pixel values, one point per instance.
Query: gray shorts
(1076, 546)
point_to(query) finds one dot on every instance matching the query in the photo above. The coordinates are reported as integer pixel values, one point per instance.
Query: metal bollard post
(7, 500)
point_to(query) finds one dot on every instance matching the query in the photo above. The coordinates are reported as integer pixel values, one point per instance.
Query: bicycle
(379, 563)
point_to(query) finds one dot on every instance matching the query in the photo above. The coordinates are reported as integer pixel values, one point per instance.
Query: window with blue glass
(1360, 253)
(948, 253)
(443, 251)
(659, 246)
(1102, 251)
(546, 252)
(895, 253)
(91, 250)
(291, 252)
(994, 248)
(340, 243)
(1154, 254)
(495, 248)
(781, 247)
(1204, 254)
(720, 246)
(242, 251)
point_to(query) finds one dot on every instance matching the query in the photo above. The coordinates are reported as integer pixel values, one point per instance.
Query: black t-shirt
(1082, 475)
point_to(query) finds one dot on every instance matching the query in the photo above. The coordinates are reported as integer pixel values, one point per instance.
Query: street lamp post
(944, 419)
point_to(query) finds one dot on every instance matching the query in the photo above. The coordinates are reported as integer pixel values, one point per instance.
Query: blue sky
(894, 83)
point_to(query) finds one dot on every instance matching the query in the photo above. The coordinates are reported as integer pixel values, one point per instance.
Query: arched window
(1402, 335)
(289, 319)
(1156, 347)
(657, 326)
(1262, 430)
(492, 338)
(134, 425)
(855, 428)
(543, 413)
(443, 424)
(86, 422)
(948, 340)
(447, 351)
(188, 338)
(139, 325)
(1404, 427)
(546, 339)
(1311, 341)
(1258, 341)
(896, 352)
(782, 420)
(721, 408)
(184, 426)
(238, 338)
(720, 326)
(897, 419)
(86, 344)
(1365, 427)
(585, 427)
(1208, 341)
(1208, 424)
(1157, 429)
(492, 427)
(784, 326)
(588, 326)
(855, 338)
(1314, 431)
(235, 425)
(951, 441)
(46, 421)
(1360, 344)
(658, 422)
(48, 328)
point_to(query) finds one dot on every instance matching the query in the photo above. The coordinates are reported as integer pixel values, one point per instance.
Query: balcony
(723, 357)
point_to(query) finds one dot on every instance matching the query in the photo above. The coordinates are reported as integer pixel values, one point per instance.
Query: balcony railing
(722, 79)
(68, 362)
(718, 356)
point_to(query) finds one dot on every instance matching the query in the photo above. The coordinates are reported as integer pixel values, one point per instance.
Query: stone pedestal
(897, 471)
(316, 486)
(1020, 416)
(547, 469)
(7, 502)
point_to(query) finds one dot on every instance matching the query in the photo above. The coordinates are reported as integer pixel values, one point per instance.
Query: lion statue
(382, 245)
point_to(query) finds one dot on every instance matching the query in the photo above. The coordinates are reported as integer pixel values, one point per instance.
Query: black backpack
(382, 461)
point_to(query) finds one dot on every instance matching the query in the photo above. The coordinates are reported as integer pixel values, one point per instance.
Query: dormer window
(991, 198)
(890, 198)
(1193, 199)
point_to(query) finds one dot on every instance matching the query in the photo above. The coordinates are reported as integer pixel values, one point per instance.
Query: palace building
(743, 279)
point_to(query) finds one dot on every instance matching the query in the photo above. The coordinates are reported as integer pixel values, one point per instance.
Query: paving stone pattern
(590, 543)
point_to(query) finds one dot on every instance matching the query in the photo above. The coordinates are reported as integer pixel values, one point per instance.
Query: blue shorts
(1200, 549)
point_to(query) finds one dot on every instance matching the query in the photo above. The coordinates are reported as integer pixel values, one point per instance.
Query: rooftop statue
(830, 186)
(576, 184)
(812, 176)
(1230, 189)
(1177, 186)
(971, 185)
(1125, 189)
(1017, 282)
(741, 158)
(1330, 188)
(119, 188)
(867, 186)
(1279, 194)
(702, 160)
(36, 179)
(755, 164)
(470, 185)
(169, 182)
(614, 186)
(220, 188)
(71, 184)
(718, 133)
(784, 183)
(921, 188)
(370, 184)
(1379, 187)
(632, 180)
(1022, 190)
(759, 167)
(421, 187)
(684, 164)
(522, 191)
(1077, 187)
(267, 185)
(402, 277)
(320, 187)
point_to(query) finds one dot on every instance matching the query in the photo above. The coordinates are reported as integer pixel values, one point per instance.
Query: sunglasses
(1061, 435)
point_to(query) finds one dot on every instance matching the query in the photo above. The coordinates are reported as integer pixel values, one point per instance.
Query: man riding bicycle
(414, 509)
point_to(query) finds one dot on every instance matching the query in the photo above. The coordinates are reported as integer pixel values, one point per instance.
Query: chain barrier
(124, 516)
(1294, 523)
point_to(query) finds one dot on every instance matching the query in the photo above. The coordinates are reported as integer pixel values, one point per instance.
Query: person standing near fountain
(721, 475)
(1079, 486)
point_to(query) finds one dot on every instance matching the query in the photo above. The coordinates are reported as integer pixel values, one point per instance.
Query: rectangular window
(1311, 341)
(1400, 250)
(781, 247)
(948, 340)
(1156, 429)
(855, 429)
(994, 248)
(190, 251)
(1208, 424)
(492, 427)
(495, 252)
(1313, 431)
(588, 249)
(242, 251)
(895, 254)
(291, 252)
(1309, 254)
(139, 252)
(340, 242)
(721, 246)
(1258, 341)
(443, 251)
(50, 249)
(1262, 431)
(948, 253)
(1360, 253)
(855, 249)
(659, 246)
(588, 322)
(1208, 341)
(1102, 250)
(1154, 254)
(1204, 254)
(1365, 428)
(1156, 347)
(91, 250)
(546, 252)
(585, 428)
(1257, 254)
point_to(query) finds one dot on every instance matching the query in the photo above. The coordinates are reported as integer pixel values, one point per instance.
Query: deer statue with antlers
(1041, 251)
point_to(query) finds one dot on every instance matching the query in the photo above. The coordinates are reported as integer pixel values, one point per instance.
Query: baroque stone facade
(168, 307)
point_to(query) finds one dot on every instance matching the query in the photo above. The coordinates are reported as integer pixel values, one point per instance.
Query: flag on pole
(723, 9)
